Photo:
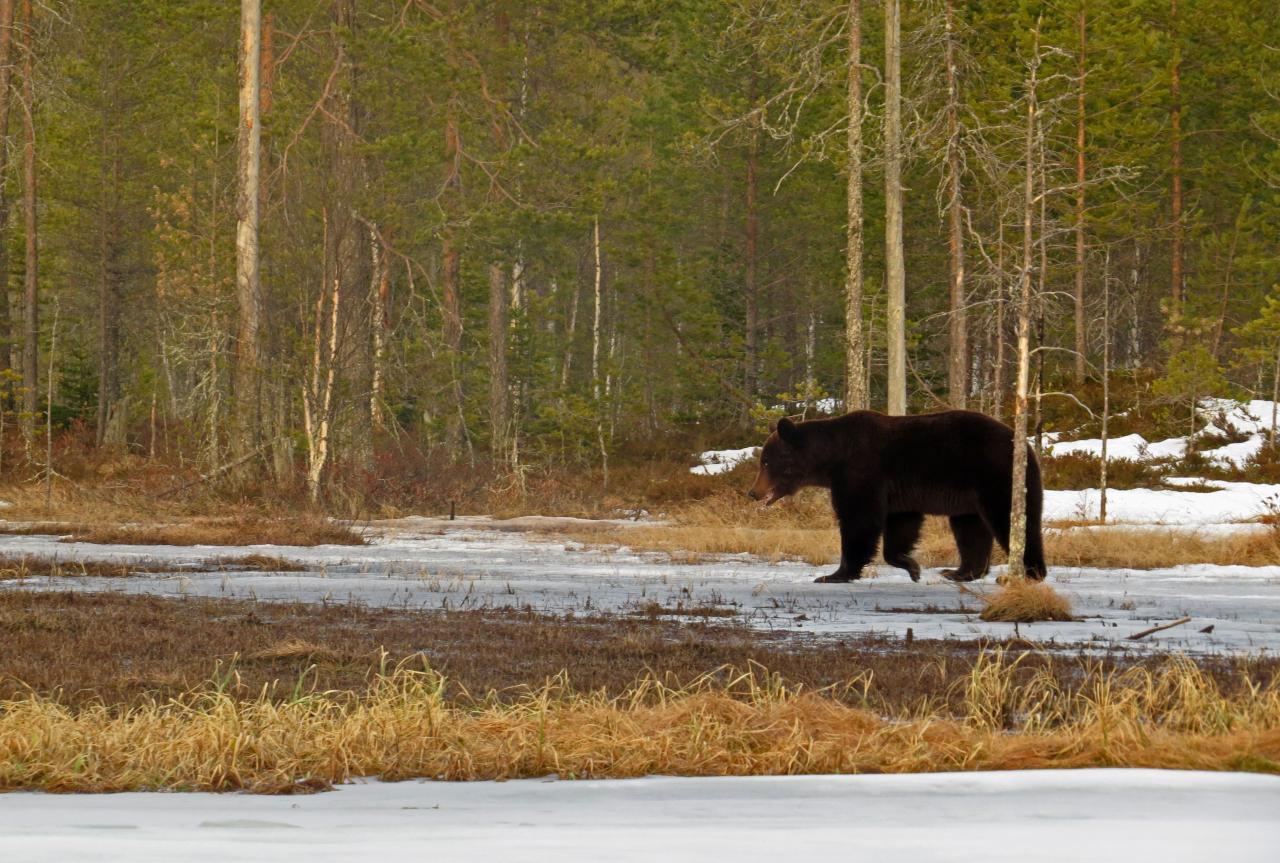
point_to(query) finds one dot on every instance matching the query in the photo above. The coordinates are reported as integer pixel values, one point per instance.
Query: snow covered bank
(1251, 418)
(1229, 502)
(1017, 816)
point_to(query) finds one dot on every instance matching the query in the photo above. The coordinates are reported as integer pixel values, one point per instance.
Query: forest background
(504, 248)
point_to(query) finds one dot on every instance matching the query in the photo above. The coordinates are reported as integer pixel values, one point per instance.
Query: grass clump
(727, 723)
(1021, 600)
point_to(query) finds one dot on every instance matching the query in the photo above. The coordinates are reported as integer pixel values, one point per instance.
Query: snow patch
(1065, 815)
(718, 461)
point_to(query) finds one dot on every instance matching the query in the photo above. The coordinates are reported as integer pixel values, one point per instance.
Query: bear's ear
(790, 433)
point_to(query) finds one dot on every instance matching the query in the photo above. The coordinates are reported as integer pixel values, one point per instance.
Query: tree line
(308, 236)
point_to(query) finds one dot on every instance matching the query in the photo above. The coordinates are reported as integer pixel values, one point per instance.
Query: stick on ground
(1162, 626)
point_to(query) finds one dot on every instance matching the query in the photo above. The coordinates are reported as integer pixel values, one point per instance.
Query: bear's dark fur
(886, 473)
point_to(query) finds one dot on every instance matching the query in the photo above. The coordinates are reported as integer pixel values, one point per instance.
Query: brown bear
(886, 473)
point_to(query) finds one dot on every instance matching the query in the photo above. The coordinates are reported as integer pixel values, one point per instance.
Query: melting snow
(1067, 815)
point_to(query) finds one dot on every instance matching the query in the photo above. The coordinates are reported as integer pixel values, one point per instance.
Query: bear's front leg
(857, 547)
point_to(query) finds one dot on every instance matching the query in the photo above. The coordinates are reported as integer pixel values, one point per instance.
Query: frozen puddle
(416, 564)
(1016, 816)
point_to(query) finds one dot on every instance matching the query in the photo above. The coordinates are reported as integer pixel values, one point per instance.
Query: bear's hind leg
(901, 533)
(973, 541)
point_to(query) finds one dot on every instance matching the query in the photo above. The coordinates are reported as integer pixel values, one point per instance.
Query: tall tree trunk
(31, 296)
(451, 295)
(895, 270)
(855, 371)
(1042, 273)
(248, 371)
(108, 288)
(380, 297)
(1175, 144)
(6, 83)
(1106, 382)
(1081, 343)
(1018, 510)
(595, 325)
(750, 288)
(998, 367)
(499, 387)
(958, 365)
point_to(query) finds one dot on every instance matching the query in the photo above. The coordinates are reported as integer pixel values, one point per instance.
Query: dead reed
(1021, 600)
(726, 723)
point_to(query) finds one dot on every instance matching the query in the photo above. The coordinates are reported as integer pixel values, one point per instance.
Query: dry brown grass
(728, 723)
(231, 530)
(1021, 600)
(18, 568)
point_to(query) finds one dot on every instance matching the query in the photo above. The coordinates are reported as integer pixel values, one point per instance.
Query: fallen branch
(214, 474)
(1159, 628)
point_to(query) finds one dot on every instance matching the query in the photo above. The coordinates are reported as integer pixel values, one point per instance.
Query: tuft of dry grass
(231, 530)
(296, 650)
(1021, 600)
(729, 723)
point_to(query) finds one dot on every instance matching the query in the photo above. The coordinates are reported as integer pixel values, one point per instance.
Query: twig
(1154, 629)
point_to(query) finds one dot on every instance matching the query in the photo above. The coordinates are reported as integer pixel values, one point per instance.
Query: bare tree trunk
(1018, 510)
(997, 376)
(1081, 343)
(317, 402)
(1041, 276)
(855, 372)
(380, 295)
(499, 392)
(108, 289)
(1275, 395)
(1175, 143)
(455, 429)
(248, 372)
(895, 270)
(750, 288)
(1106, 380)
(31, 294)
(595, 326)
(6, 83)
(958, 365)
(48, 410)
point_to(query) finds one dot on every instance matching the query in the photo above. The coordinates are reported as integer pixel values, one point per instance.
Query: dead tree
(248, 372)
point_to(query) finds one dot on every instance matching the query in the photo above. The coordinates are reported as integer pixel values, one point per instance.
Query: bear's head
(785, 466)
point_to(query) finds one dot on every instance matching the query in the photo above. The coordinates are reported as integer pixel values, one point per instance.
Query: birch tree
(1018, 510)
(895, 267)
